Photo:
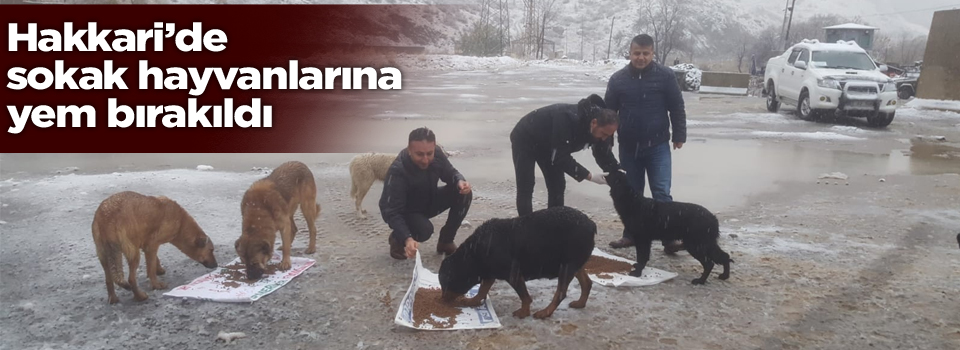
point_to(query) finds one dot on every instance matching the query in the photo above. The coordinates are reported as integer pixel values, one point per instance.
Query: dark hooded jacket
(558, 130)
(409, 189)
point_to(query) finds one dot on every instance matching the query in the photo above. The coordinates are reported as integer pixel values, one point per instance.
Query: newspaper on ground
(480, 317)
(229, 284)
(651, 275)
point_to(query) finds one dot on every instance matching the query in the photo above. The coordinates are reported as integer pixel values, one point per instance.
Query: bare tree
(547, 12)
(665, 21)
(741, 49)
(483, 38)
(881, 47)
(503, 24)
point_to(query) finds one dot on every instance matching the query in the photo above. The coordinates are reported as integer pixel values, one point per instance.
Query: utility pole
(783, 24)
(582, 56)
(786, 38)
(609, 41)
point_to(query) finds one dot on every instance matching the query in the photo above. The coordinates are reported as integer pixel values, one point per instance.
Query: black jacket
(558, 130)
(409, 189)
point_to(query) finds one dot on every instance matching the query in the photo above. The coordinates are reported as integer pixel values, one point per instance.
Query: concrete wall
(940, 77)
(722, 79)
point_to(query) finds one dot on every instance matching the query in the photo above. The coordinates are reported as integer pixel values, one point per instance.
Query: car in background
(907, 81)
(830, 78)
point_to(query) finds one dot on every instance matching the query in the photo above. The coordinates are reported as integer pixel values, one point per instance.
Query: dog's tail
(111, 258)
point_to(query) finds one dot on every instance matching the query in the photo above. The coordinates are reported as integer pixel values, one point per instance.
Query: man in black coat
(548, 136)
(411, 196)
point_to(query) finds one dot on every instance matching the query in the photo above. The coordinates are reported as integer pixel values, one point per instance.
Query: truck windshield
(842, 60)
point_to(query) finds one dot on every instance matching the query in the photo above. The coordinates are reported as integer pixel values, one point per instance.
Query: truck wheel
(803, 108)
(773, 105)
(905, 92)
(880, 120)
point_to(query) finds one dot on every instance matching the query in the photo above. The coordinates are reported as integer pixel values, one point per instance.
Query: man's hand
(597, 179)
(677, 145)
(411, 248)
(464, 187)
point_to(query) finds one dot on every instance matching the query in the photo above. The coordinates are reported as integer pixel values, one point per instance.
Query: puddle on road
(723, 173)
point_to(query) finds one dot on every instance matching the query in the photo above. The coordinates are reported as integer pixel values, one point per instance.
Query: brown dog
(128, 222)
(268, 207)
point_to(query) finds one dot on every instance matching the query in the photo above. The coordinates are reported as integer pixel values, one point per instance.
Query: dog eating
(646, 220)
(267, 207)
(552, 243)
(127, 222)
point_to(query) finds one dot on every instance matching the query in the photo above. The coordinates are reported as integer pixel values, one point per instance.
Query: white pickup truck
(838, 78)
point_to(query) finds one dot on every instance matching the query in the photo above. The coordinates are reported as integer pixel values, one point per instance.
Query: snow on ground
(914, 112)
(921, 103)
(455, 62)
(818, 135)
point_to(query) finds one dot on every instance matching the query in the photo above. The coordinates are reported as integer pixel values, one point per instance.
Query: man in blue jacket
(649, 101)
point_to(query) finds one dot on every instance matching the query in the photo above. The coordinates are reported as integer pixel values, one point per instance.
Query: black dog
(550, 243)
(958, 238)
(647, 220)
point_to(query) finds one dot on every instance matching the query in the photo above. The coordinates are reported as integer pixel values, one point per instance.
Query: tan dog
(364, 170)
(267, 207)
(128, 222)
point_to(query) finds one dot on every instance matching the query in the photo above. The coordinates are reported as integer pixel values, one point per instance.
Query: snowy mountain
(583, 27)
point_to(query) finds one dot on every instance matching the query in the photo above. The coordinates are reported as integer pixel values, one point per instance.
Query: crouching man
(411, 196)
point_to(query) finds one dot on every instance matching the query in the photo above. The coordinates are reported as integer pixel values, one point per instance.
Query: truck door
(790, 77)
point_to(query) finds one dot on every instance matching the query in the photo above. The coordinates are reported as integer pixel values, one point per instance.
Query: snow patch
(819, 135)
(920, 103)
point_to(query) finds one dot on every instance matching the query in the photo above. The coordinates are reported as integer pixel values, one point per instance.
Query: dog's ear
(200, 242)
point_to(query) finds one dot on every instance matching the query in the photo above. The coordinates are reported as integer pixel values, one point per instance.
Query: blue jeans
(650, 162)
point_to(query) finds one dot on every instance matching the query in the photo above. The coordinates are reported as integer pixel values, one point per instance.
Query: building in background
(860, 33)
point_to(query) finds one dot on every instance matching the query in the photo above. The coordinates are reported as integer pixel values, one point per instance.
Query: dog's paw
(310, 250)
(697, 281)
(636, 273)
(542, 314)
(113, 299)
(161, 271)
(724, 276)
(139, 295)
(158, 285)
(363, 211)
(521, 313)
(284, 264)
(576, 304)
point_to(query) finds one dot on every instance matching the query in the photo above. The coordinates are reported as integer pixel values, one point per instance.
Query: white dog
(364, 170)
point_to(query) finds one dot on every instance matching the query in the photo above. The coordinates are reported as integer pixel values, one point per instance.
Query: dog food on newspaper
(602, 267)
(234, 274)
(428, 308)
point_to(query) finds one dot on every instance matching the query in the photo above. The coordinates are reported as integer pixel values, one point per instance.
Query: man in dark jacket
(548, 136)
(411, 196)
(643, 93)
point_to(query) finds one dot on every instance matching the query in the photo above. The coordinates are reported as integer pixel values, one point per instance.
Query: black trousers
(447, 197)
(524, 159)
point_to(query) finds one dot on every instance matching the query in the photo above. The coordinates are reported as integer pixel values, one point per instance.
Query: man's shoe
(397, 250)
(673, 247)
(622, 243)
(446, 248)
